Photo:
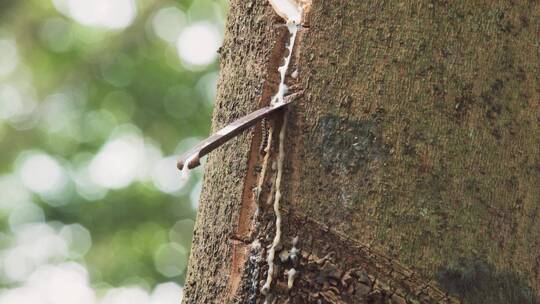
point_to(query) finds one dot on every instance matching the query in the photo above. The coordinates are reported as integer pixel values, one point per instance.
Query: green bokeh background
(111, 80)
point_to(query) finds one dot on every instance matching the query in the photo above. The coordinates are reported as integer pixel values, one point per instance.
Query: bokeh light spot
(198, 43)
(16, 266)
(61, 113)
(9, 58)
(170, 259)
(116, 14)
(24, 214)
(78, 239)
(35, 245)
(63, 284)
(167, 293)
(166, 176)
(41, 173)
(21, 295)
(14, 193)
(131, 295)
(182, 231)
(167, 23)
(85, 187)
(207, 87)
(195, 195)
(117, 163)
(10, 101)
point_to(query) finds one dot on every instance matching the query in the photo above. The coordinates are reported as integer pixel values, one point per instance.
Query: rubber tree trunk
(415, 140)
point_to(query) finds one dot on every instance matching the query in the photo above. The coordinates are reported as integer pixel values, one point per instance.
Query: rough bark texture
(416, 142)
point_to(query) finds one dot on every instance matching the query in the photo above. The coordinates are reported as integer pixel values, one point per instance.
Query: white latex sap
(291, 11)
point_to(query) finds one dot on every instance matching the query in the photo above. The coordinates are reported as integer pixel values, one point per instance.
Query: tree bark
(415, 141)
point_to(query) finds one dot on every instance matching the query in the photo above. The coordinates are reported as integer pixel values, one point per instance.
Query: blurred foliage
(82, 85)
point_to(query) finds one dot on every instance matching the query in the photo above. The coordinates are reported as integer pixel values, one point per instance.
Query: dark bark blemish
(464, 102)
(477, 281)
(348, 145)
